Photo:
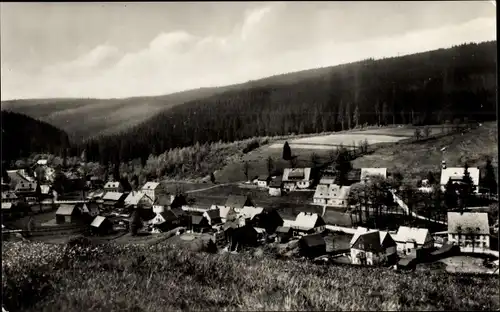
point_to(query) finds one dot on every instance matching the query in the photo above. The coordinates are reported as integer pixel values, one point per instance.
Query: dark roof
(178, 212)
(197, 219)
(263, 177)
(163, 200)
(313, 240)
(283, 229)
(275, 183)
(236, 201)
(297, 174)
(407, 261)
(168, 215)
(369, 241)
(213, 213)
(229, 225)
(65, 210)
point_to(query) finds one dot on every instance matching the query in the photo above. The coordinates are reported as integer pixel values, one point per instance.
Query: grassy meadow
(42, 277)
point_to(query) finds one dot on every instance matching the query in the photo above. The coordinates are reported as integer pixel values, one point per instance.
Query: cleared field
(332, 140)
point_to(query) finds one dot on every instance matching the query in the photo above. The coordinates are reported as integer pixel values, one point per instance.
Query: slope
(425, 88)
(23, 135)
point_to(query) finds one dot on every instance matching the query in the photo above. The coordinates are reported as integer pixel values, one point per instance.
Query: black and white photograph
(249, 156)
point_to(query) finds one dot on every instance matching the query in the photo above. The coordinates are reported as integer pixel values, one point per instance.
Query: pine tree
(246, 168)
(348, 115)
(356, 116)
(384, 113)
(287, 152)
(135, 223)
(450, 195)
(341, 116)
(466, 189)
(343, 166)
(489, 181)
(377, 112)
(270, 165)
(431, 178)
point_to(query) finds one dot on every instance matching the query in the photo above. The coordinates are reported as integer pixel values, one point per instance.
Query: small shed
(67, 214)
(312, 246)
(283, 234)
(101, 225)
(199, 223)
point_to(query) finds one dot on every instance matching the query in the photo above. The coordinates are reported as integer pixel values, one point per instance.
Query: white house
(366, 173)
(113, 186)
(297, 178)
(307, 222)
(237, 202)
(372, 247)
(138, 199)
(152, 189)
(331, 195)
(275, 187)
(408, 238)
(263, 181)
(469, 229)
(456, 174)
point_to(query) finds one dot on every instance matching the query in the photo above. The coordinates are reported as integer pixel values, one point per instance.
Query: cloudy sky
(110, 50)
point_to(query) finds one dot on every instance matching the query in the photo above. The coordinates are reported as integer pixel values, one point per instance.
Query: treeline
(23, 136)
(426, 88)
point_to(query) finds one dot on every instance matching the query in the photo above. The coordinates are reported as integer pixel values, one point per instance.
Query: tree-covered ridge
(426, 88)
(23, 135)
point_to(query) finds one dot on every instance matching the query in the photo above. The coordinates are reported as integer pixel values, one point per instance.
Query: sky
(115, 50)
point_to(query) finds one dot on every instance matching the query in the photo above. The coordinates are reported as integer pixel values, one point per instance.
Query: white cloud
(178, 60)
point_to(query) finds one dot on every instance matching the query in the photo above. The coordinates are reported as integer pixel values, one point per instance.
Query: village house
(331, 195)
(248, 213)
(95, 183)
(353, 176)
(113, 199)
(312, 246)
(213, 216)
(9, 197)
(308, 223)
(297, 178)
(372, 247)
(456, 174)
(327, 180)
(163, 202)
(268, 219)
(367, 173)
(166, 220)
(199, 223)
(90, 208)
(275, 186)
(152, 189)
(184, 218)
(263, 181)
(26, 188)
(115, 186)
(237, 202)
(226, 213)
(67, 214)
(101, 226)
(139, 200)
(17, 176)
(408, 238)
(283, 234)
(243, 236)
(469, 229)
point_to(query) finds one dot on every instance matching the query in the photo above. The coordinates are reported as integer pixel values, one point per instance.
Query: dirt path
(211, 187)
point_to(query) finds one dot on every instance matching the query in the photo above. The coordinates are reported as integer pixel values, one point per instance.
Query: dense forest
(434, 87)
(23, 135)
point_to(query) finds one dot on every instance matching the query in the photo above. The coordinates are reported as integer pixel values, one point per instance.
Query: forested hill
(425, 88)
(23, 135)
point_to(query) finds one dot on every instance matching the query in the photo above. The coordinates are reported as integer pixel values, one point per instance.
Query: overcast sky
(109, 50)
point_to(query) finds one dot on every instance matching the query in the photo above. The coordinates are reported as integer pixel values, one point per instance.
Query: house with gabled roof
(101, 225)
(469, 229)
(263, 180)
(408, 238)
(199, 223)
(9, 197)
(115, 186)
(331, 195)
(312, 246)
(166, 220)
(139, 200)
(163, 202)
(353, 176)
(213, 216)
(226, 213)
(113, 199)
(275, 186)
(269, 219)
(372, 247)
(309, 223)
(237, 202)
(26, 188)
(366, 173)
(283, 234)
(456, 174)
(294, 178)
(152, 189)
(90, 208)
(67, 214)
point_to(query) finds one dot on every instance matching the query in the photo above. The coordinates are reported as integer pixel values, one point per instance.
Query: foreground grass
(40, 277)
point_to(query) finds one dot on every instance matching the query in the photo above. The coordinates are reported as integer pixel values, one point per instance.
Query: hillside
(84, 118)
(40, 277)
(425, 88)
(23, 135)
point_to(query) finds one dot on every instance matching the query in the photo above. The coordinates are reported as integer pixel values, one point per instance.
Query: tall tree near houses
(246, 168)
(270, 165)
(341, 116)
(348, 115)
(450, 195)
(356, 116)
(466, 189)
(377, 112)
(384, 113)
(489, 181)
(287, 151)
(403, 117)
